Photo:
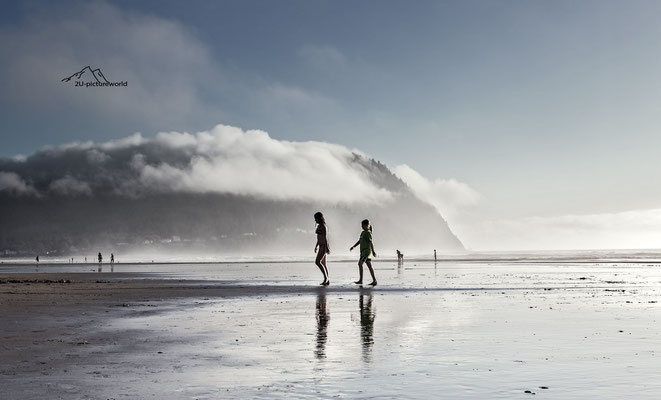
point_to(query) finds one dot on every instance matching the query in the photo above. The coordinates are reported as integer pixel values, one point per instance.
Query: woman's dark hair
(319, 218)
(366, 222)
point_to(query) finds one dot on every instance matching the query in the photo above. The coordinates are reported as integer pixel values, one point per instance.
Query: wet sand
(448, 330)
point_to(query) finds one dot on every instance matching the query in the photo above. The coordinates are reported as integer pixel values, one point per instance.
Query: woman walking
(321, 248)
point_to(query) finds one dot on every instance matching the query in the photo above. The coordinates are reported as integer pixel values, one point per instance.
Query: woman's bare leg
(321, 255)
(323, 262)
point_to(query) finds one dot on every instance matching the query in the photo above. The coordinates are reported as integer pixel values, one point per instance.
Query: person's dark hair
(319, 218)
(366, 222)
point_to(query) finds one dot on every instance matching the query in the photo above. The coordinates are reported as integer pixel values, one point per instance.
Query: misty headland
(219, 192)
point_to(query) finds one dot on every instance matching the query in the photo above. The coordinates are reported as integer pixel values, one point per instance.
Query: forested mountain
(116, 197)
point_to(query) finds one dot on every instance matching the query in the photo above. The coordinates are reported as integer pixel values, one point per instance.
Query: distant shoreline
(518, 260)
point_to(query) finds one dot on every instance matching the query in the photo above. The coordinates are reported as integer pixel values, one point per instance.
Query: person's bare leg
(321, 267)
(369, 265)
(360, 272)
(323, 262)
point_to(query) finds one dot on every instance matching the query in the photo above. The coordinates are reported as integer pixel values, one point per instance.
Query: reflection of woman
(322, 326)
(366, 325)
(321, 248)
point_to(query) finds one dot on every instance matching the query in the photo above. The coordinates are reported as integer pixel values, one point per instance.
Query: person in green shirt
(366, 251)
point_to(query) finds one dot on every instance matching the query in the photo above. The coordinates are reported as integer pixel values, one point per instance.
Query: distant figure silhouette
(100, 258)
(400, 257)
(321, 248)
(366, 251)
(37, 259)
(435, 255)
(85, 260)
(112, 258)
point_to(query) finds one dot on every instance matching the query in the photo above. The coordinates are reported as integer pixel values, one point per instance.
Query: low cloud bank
(224, 159)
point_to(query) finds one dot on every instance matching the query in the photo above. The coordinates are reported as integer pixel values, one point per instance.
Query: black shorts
(363, 259)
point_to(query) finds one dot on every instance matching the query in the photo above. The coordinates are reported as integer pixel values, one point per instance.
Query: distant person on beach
(100, 258)
(434, 255)
(366, 251)
(399, 257)
(37, 259)
(112, 258)
(321, 248)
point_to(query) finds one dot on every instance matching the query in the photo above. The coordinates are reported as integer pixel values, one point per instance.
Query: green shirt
(365, 243)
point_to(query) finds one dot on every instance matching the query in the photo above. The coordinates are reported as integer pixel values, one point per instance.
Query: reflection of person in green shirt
(366, 251)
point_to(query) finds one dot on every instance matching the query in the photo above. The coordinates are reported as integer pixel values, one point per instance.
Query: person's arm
(357, 243)
(316, 246)
(372, 246)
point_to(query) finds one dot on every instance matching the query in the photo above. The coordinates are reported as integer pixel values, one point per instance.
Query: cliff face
(88, 196)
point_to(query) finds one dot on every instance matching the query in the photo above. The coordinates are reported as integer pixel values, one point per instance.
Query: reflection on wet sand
(256, 340)
(323, 316)
(367, 316)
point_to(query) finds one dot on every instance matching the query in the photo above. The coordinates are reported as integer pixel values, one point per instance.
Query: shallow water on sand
(427, 330)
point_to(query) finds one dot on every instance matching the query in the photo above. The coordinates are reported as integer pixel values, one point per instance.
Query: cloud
(323, 58)
(174, 78)
(11, 182)
(634, 229)
(162, 62)
(224, 159)
(95, 156)
(130, 141)
(449, 196)
(229, 160)
(69, 186)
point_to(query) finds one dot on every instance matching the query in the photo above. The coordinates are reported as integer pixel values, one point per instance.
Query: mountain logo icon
(88, 77)
(88, 73)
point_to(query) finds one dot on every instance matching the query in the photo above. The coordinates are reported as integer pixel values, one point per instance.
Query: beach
(453, 329)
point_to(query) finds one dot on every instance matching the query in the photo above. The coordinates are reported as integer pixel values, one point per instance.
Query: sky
(528, 125)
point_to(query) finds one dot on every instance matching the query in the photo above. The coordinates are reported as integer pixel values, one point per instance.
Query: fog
(224, 159)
